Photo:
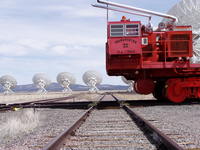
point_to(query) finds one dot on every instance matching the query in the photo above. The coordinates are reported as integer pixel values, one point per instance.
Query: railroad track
(62, 102)
(43, 103)
(111, 129)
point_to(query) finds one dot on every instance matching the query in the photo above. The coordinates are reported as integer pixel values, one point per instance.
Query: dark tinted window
(132, 30)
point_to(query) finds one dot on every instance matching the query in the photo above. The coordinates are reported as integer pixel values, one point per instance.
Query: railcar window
(132, 30)
(117, 30)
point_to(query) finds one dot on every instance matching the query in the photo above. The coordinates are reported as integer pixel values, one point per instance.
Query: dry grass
(19, 123)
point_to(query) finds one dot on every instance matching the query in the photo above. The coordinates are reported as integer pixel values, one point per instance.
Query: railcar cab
(123, 47)
(124, 37)
(129, 43)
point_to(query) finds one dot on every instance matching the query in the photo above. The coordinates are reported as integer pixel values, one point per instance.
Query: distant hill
(55, 87)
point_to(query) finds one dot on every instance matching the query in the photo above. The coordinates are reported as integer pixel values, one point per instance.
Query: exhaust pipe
(173, 18)
(128, 12)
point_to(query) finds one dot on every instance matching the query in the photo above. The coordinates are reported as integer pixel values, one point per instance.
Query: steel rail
(58, 142)
(161, 140)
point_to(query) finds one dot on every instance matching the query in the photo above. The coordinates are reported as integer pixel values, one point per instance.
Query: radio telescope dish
(8, 82)
(65, 79)
(41, 81)
(92, 79)
(129, 82)
(187, 12)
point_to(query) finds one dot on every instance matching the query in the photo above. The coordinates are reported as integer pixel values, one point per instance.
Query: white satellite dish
(8, 82)
(187, 12)
(129, 82)
(65, 79)
(41, 81)
(92, 79)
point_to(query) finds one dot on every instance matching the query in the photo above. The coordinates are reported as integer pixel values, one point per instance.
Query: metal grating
(117, 30)
(179, 45)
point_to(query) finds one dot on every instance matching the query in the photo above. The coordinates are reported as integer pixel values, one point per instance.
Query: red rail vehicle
(157, 60)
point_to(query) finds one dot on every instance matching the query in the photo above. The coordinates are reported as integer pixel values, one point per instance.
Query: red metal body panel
(153, 59)
(129, 46)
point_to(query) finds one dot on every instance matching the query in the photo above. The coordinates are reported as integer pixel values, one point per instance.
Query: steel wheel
(158, 92)
(175, 92)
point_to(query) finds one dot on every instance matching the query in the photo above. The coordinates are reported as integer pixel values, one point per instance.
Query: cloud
(24, 39)
(70, 50)
(8, 3)
(74, 11)
(32, 43)
(12, 50)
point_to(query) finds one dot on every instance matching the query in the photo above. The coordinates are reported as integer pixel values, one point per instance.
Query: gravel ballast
(108, 130)
(181, 123)
(48, 123)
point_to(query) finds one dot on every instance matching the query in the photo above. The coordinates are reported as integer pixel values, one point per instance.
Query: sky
(53, 36)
